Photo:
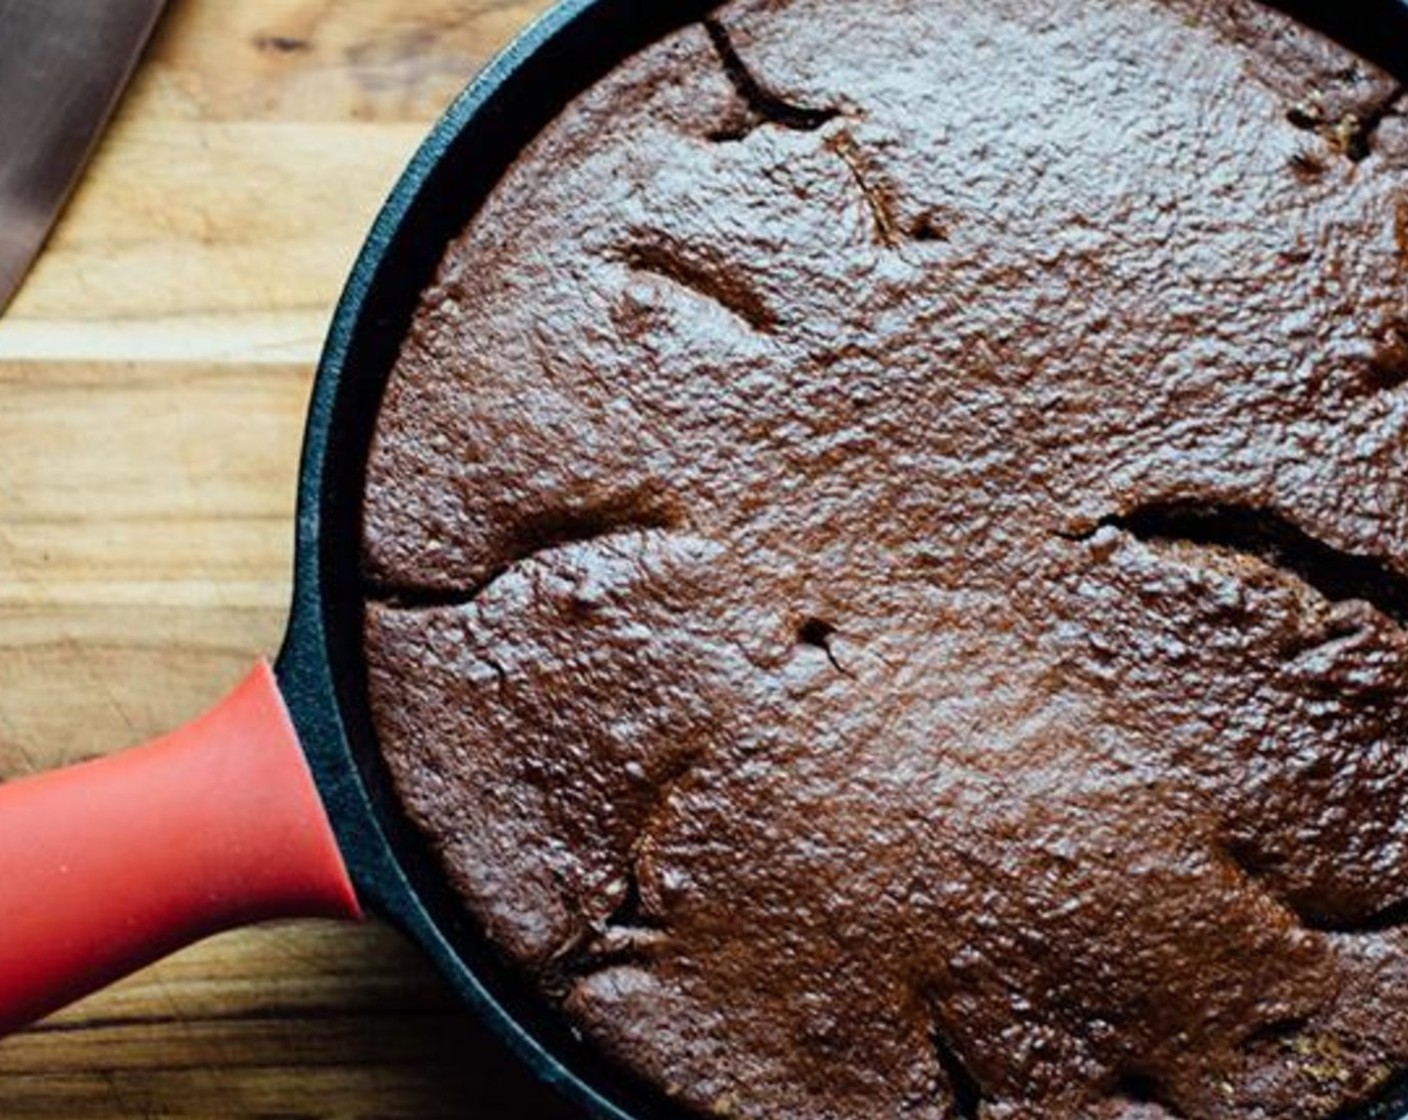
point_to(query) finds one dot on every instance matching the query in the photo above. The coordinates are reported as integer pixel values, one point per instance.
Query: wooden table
(153, 375)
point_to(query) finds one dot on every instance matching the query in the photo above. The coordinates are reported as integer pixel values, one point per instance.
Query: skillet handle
(107, 866)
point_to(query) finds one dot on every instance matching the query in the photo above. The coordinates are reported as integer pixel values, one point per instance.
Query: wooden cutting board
(153, 376)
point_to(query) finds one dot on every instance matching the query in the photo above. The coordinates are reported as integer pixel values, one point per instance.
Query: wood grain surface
(153, 376)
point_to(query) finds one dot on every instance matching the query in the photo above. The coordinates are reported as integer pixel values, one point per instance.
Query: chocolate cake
(886, 551)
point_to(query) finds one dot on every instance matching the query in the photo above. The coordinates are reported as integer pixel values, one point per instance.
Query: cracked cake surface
(886, 550)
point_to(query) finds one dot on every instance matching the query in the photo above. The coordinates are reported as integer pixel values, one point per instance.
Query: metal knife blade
(63, 67)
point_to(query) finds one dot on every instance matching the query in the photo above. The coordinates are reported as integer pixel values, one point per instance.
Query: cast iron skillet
(107, 866)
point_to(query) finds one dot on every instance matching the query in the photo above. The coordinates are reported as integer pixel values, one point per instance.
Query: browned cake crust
(888, 562)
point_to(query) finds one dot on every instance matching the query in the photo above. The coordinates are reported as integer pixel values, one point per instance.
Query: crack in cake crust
(1271, 537)
(763, 105)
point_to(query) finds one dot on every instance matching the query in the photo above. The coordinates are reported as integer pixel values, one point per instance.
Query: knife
(63, 67)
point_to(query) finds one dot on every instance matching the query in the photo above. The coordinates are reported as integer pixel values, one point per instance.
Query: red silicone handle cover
(107, 866)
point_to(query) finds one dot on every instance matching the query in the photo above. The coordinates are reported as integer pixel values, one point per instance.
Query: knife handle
(107, 866)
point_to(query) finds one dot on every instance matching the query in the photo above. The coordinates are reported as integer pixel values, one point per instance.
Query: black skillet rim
(320, 666)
